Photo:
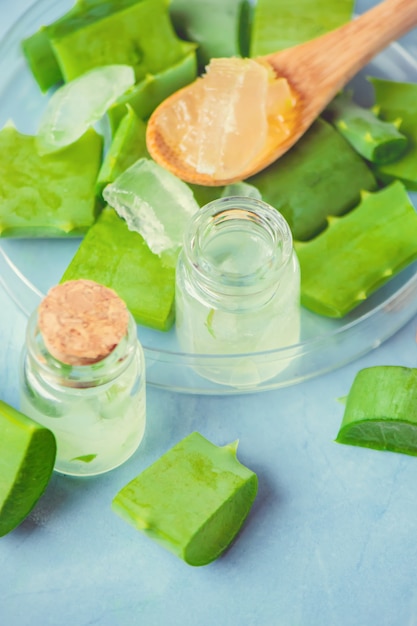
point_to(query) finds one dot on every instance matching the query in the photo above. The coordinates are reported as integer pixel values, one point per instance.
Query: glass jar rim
(225, 211)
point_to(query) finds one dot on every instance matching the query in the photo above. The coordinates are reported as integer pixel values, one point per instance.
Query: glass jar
(96, 411)
(238, 291)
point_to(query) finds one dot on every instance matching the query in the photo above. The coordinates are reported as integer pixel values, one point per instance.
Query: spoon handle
(324, 65)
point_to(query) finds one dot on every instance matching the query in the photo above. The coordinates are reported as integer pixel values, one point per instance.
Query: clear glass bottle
(238, 291)
(97, 411)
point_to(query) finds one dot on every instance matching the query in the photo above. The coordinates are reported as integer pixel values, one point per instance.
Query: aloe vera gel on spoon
(237, 290)
(83, 377)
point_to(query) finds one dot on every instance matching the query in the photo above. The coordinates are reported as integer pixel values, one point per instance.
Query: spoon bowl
(316, 71)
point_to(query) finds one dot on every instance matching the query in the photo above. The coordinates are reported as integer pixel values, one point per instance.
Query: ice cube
(154, 203)
(81, 103)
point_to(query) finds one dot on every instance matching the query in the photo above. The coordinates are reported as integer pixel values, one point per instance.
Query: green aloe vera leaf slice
(358, 252)
(397, 102)
(127, 146)
(279, 24)
(219, 27)
(376, 140)
(145, 96)
(27, 457)
(37, 47)
(321, 175)
(381, 410)
(41, 59)
(193, 500)
(138, 34)
(118, 258)
(79, 104)
(51, 195)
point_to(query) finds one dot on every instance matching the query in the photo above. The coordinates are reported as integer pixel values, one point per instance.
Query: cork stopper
(81, 322)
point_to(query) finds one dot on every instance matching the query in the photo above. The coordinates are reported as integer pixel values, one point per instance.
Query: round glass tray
(28, 268)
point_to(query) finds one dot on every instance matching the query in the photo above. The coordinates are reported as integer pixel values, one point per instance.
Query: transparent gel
(96, 412)
(238, 290)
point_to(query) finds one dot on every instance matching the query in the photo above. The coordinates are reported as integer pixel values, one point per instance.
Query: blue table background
(330, 541)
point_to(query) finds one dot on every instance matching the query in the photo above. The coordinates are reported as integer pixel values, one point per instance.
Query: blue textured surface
(330, 540)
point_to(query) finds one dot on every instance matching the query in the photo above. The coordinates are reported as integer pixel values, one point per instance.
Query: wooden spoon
(315, 71)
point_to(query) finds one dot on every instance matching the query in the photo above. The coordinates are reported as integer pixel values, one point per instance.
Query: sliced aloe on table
(192, 501)
(118, 258)
(219, 27)
(396, 102)
(41, 60)
(280, 24)
(130, 32)
(321, 175)
(381, 410)
(127, 146)
(376, 140)
(27, 457)
(51, 195)
(145, 96)
(358, 252)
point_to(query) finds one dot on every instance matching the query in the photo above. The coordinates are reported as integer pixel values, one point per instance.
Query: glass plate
(29, 267)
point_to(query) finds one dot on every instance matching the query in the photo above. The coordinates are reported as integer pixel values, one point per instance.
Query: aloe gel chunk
(358, 252)
(219, 27)
(321, 175)
(192, 501)
(378, 141)
(148, 93)
(137, 33)
(79, 104)
(280, 24)
(27, 457)
(127, 146)
(381, 410)
(154, 203)
(116, 257)
(397, 103)
(51, 195)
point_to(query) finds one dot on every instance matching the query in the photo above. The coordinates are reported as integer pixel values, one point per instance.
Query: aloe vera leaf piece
(381, 410)
(397, 102)
(118, 258)
(40, 54)
(321, 175)
(145, 96)
(27, 457)
(139, 34)
(127, 146)
(51, 195)
(279, 24)
(376, 140)
(192, 501)
(219, 27)
(37, 47)
(41, 59)
(358, 252)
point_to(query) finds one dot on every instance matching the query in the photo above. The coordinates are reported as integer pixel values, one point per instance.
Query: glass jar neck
(235, 252)
(79, 376)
